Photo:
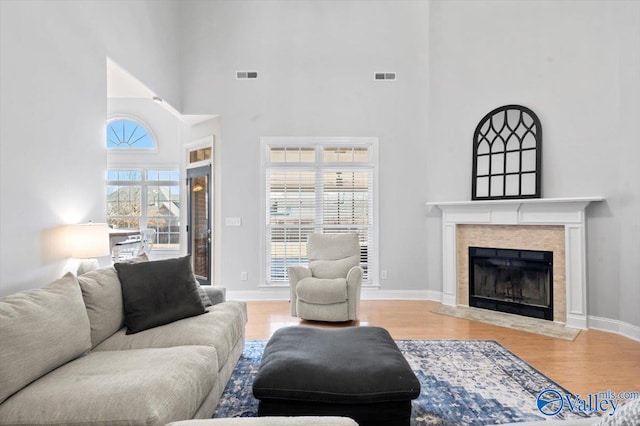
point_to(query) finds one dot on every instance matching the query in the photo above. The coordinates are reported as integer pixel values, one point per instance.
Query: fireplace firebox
(514, 281)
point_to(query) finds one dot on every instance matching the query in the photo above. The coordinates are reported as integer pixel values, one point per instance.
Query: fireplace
(514, 281)
(565, 214)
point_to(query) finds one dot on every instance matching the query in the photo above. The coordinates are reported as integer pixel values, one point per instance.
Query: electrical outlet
(383, 274)
(244, 276)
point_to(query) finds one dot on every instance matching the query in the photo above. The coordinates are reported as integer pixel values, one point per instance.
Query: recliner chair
(329, 289)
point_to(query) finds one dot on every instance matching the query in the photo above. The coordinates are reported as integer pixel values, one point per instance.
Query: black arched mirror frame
(507, 155)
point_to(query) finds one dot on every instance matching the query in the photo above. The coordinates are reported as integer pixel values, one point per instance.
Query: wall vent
(384, 76)
(246, 75)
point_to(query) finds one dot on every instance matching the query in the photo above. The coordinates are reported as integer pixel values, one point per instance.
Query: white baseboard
(449, 300)
(377, 294)
(435, 296)
(276, 293)
(577, 321)
(615, 326)
(282, 293)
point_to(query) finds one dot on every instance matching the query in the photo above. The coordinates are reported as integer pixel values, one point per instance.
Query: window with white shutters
(317, 185)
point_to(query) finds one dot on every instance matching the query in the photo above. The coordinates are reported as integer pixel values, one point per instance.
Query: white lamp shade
(89, 240)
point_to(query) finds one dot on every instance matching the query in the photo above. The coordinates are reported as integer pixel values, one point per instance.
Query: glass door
(200, 222)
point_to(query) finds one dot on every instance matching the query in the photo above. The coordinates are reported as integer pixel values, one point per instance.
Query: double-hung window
(318, 185)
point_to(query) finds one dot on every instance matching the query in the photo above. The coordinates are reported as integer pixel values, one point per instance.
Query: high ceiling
(122, 84)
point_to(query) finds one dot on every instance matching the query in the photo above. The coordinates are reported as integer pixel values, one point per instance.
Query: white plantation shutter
(291, 212)
(347, 206)
(347, 198)
(316, 188)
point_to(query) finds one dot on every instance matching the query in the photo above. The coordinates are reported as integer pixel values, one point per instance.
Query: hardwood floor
(595, 361)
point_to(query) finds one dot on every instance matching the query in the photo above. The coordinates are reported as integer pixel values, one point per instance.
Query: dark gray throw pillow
(158, 292)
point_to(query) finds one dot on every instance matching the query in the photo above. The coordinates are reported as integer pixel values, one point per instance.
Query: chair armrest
(354, 285)
(296, 273)
(216, 293)
(355, 275)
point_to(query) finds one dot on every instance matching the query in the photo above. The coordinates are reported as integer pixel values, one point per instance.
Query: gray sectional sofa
(65, 357)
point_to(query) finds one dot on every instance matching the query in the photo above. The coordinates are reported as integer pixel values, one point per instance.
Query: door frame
(212, 141)
(195, 172)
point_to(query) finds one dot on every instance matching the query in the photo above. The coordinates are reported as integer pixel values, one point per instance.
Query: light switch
(233, 221)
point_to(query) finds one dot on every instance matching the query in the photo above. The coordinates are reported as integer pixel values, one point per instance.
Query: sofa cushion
(221, 327)
(217, 294)
(626, 415)
(103, 298)
(159, 292)
(40, 330)
(204, 297)
(333, 268)
(332, 246)
(141, 387)
(322, 291)
(102, 295)
(271, 421)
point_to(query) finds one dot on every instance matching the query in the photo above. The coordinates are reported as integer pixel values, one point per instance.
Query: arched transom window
(128, 134)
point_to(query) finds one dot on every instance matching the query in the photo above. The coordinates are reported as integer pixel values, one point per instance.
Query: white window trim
(212, 142)
(119, 151)
(145, 167)
(206, 142)
(314, 141)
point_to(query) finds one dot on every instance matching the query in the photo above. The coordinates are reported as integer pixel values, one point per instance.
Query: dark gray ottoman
(355, 372)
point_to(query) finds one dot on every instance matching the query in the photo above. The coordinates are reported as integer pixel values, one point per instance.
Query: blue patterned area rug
(464, 382)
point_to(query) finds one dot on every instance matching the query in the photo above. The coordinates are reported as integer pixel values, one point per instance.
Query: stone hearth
(552, 224)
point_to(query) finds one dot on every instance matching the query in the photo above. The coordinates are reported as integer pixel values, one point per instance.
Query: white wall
(316, 61)
(577, 65)
(53, 110)
(574, 63)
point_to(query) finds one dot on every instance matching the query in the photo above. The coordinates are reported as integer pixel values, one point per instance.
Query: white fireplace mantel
(568, 212)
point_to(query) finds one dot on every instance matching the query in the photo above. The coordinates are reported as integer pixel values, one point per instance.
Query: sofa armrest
(216, 293)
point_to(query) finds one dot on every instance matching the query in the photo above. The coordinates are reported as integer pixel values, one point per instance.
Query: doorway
(200, 222)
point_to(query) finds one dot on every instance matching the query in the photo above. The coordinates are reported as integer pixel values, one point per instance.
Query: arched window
(507, 155)
(129, 134)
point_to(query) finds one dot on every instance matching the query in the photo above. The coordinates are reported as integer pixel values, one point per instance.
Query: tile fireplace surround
(516, 218)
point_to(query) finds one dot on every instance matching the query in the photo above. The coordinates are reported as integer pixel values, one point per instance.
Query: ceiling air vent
(384, 76)
(246, 75)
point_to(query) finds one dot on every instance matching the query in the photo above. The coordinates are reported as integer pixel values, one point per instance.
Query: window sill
(364, 286)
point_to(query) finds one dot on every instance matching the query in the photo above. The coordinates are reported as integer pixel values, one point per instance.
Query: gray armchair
(329, 289)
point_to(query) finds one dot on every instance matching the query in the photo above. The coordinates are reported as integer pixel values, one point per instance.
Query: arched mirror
(507, 152)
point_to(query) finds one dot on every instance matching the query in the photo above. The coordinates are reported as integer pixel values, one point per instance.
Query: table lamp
(88, 241)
